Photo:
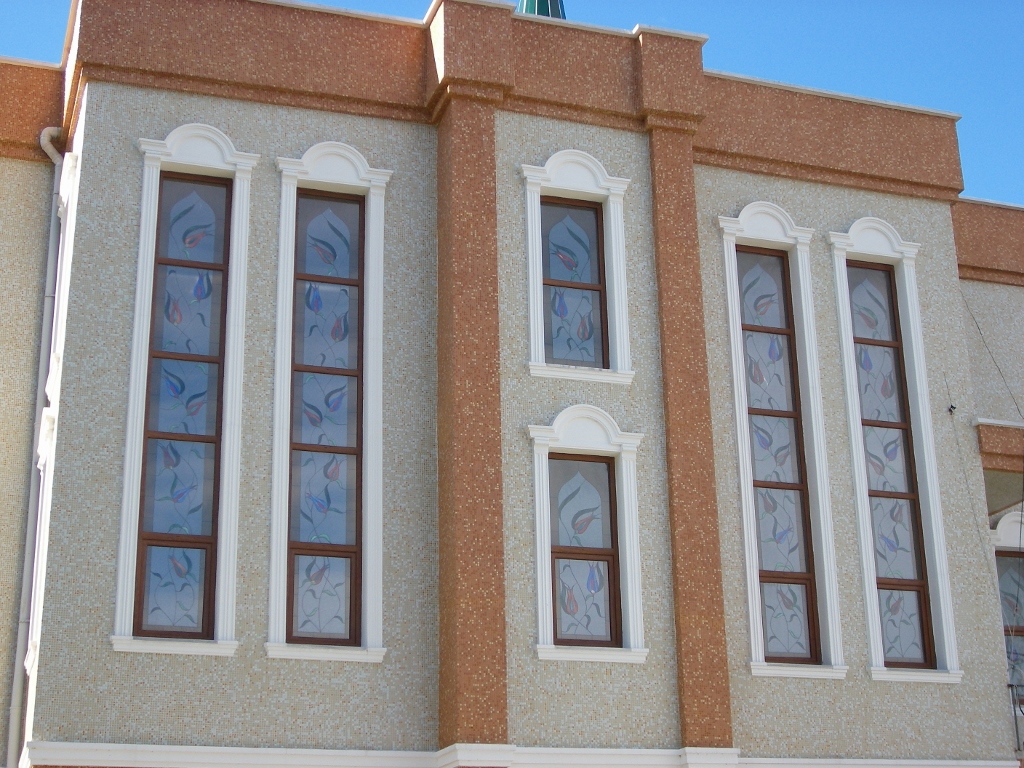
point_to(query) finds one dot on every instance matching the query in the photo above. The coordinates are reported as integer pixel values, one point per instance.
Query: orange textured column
(473, 704)
(704, 704)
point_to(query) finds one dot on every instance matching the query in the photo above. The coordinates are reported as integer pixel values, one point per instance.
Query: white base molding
(812, 671)
(75, 754)
(174, 646)
(950, 677)
(324, 653)
(607, 655)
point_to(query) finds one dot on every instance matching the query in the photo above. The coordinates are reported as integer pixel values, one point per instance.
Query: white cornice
(982, 421)
(993, 203)
(28, 63)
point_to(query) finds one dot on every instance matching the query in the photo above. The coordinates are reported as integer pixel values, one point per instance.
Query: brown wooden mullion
(582, 553)
(186, 264)
(352, 373)
(767, 330)
(184, 357)
(877, 342)
(181, 540)
(311, 278)
(328, 550)
(346, 450)
(893, 495)
(795, 415)
(906, 585)
(570, 284)
(901, 425)
(780, 486)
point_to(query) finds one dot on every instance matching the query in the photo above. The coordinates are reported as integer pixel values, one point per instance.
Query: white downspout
(14, 736)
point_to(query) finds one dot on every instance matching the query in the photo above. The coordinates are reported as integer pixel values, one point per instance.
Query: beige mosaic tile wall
(88, 692)
(25, 190)
(583, 704)
(994, 319)
(856, 717)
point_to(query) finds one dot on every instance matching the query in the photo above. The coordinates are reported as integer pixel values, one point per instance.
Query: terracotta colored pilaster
(705, 712)
(473, 704)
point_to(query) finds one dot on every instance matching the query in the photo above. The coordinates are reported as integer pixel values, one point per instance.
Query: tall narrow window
(1011, 597)
(786, 567)
(181, 466)
(576, 320)
(584, 550)
(888, 450)
(324, 552)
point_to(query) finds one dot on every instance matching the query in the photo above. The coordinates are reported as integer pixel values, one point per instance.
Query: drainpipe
(14, 740)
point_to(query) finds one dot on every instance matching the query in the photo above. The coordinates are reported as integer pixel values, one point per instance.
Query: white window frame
(576, 175)
(333, 167)
(874, 240)
(200, 149)
(766, 225)
(589, 431)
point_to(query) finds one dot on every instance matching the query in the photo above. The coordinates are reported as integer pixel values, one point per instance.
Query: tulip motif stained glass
(768, 371)
(324, 544)
(895, 545)
(886, 455)
(580, 505)
(762, 302)
(178, 525)
(878, 378)
(871, 304)
(1011, 589)
(902, 640)
(780, 526)
(573, 285)
(772, 444)
(583, 606)
(785, 620)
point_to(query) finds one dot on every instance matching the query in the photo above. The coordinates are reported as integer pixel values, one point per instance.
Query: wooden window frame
(352, 552)
(150, 539)
(601, 286)
(919, 585)
(610, 555)
(806, 579)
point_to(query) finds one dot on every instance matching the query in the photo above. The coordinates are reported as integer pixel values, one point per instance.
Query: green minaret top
(552, 8)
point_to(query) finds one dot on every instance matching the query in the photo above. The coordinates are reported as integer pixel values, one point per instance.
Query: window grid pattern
(177, 544)
(901, 575)
(325, 521)
(575, 294)
(584, 551)
(786, 565)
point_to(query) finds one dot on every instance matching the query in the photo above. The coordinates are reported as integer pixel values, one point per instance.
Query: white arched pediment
(198, 146)
(586, 428)
(1007, 534)
(764, 223)
(576, 172)
(333, 163)
(870, 236)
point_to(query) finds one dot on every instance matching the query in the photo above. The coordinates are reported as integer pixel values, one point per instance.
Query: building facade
(495, 390)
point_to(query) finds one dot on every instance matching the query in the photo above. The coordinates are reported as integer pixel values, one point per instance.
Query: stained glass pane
(183, 397)
(762, 298)
(785, 620)
(871, 303)
(769, 381)
(323, 498)
(885, 451)
(191, 300)
(1011, 590)
(901, 625)
(324, 409)
(327, 237)
(895, 547)
(321, 603)
(583, 602)
(326, 325)
(878, 375)
(570, 243)
(773, 447)
(1015, 659)
(572, 327)
(780, 525)
(192, 221)
(580, 503)
(175, 580)
(179, 487)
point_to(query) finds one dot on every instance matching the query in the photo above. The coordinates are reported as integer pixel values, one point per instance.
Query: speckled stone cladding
(86, 690)
(778, 717)
(583, 704)
(25, 189)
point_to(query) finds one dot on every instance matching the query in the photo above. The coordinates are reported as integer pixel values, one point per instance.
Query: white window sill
(806, 671)
(607, 655)
(324, 653)
(172, 646)
(581, 373)
(916, 675)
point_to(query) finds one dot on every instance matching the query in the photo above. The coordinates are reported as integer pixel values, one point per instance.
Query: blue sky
(963, 57)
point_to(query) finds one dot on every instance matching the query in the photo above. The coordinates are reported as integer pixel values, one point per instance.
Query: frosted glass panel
(1011, 590)
(325, 409)
(572, 327)
(191, 226)
(780, 526)
(885, 451)
(762, 298)
(323, 498)
(321, 600)
(583, 603)
(570, 243)
(326, 325)
(188, 310)
(785, 620)
(895, 547)
(769, 380)
(901, 626)
(183, 397)
(580, 503)
(880, 382)
(328, 237)
(871, 303)
(774, 449)
(175, 579)
(179, 488)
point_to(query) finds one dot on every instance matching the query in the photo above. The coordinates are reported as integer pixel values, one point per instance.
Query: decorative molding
(1007, 534)
(605, 655)
(586, 429)
(324, 653)
(94, 755)
(194, 148)
(805, 671)
(580, 373)
(982, 421)
(915, 675)
(334, 167)
(874, 240)
(575, 174)
(183, 647)
(766, 225)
